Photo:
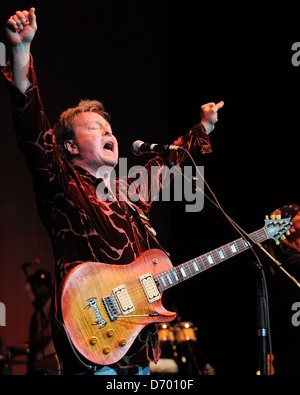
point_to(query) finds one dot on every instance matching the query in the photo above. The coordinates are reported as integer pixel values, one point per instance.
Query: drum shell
(165, 333)
(185, 331)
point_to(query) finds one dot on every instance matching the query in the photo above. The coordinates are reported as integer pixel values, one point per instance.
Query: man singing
(66, 164)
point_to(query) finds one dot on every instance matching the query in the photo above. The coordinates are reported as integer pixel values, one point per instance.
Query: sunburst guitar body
(104, 307)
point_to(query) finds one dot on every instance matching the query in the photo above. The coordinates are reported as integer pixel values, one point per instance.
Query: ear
(71, 146)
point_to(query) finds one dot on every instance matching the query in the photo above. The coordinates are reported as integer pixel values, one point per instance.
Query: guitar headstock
(277, 227)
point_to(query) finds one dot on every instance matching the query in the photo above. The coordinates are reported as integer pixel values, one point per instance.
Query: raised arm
(209, 115)
(20, 30)
(196, 141)
(35, 136)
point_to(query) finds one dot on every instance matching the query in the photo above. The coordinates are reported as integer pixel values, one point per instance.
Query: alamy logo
(296, 316)
(2, 54)
(296, 56)
(154, 184)
(2, 314)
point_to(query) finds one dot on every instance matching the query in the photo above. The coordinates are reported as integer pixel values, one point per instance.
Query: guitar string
(202, 265)
(189, 266)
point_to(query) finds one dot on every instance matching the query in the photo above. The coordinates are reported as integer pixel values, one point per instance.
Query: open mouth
(109, 146)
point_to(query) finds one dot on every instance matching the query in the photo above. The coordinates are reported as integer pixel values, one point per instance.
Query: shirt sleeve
(35, 137)
(157, 174)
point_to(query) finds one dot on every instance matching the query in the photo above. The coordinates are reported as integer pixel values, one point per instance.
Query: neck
(103, 172)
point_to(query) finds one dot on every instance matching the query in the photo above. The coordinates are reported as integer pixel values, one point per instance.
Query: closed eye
(94, 127)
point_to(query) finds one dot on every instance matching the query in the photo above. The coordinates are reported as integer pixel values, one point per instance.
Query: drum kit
(37, 353)
(18, 355)
(179, 354)
(178, 349)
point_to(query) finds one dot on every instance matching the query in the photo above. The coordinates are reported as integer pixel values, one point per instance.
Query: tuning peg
(272, 217)
(278, 216)
(277, 242)
(288, 233)
(283, 237)
(267, 217)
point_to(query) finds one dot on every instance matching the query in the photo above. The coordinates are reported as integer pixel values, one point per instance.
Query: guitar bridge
(111, 307)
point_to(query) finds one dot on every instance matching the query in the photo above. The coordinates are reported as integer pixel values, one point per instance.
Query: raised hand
(21, 27)
(209, 115)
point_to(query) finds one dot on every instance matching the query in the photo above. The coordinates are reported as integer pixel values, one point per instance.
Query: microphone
(139, 148)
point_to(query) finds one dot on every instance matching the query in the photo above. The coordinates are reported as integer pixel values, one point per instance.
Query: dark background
(153, 64)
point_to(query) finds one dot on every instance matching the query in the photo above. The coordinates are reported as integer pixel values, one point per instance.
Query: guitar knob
(283, 237)
(123, 342)
(110, 333)
(288, 233)
(93, 340)
(106, 350)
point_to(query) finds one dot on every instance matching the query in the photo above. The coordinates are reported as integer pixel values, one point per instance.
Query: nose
(107, 132)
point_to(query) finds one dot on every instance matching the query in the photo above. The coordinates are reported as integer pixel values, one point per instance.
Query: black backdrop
(153, 64)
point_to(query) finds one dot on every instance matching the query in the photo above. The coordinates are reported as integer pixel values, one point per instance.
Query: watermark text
(2, 314)
(152, 184)
(296, 315)
(296, 56)
(2, 54)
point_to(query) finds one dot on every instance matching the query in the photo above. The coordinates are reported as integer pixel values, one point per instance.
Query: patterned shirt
(82, 227)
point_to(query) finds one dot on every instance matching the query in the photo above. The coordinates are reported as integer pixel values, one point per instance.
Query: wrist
(20, 49)
(207, 126)
(20, 56)
(20, 63)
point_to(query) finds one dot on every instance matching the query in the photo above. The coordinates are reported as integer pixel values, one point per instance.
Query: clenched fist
(209, 115)
(21, 27)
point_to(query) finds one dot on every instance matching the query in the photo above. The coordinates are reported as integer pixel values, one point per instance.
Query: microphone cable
(246, 237)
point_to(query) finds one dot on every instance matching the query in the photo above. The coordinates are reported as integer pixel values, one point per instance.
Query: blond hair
(64, 128)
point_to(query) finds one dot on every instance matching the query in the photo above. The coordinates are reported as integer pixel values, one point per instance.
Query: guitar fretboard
(191, 268)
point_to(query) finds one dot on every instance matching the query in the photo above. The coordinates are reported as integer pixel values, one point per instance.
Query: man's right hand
(20, 28)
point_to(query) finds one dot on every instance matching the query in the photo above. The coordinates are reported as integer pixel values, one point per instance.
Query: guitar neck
(191, 268)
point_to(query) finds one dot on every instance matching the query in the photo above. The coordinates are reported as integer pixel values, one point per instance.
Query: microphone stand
(262, 307)
(263, 327)
(255, 244)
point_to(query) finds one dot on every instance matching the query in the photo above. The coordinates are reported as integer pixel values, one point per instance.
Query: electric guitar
(104, 307)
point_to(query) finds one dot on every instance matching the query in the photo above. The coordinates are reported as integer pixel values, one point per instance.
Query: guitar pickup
(150, 288)
(122, 296)
(111, 307)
